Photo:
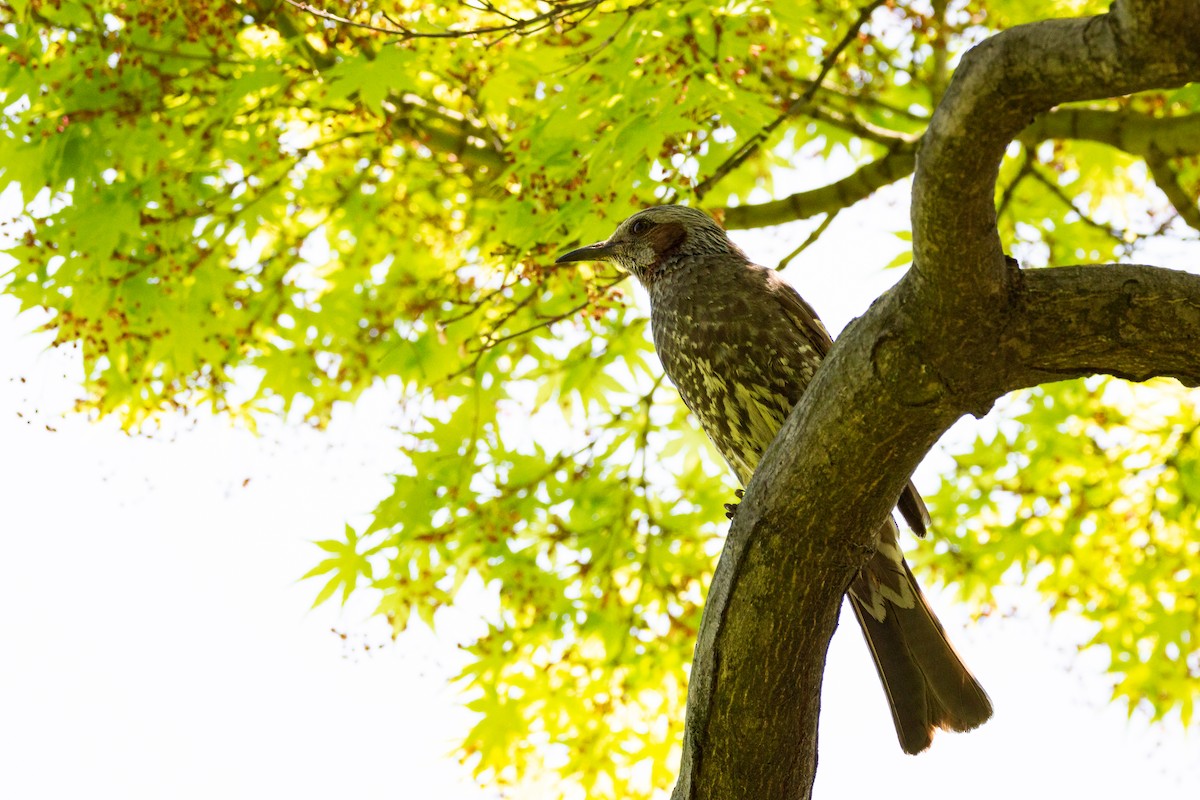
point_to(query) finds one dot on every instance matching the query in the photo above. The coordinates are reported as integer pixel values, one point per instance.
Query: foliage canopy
(257, 208)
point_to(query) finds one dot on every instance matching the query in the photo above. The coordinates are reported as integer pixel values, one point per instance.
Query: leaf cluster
(1089, 492)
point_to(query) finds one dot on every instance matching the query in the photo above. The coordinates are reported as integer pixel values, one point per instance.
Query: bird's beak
(600, 251)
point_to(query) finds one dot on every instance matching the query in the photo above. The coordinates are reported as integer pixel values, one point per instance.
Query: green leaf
(347, 565)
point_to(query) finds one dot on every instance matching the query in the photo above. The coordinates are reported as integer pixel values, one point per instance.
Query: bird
(741, 346)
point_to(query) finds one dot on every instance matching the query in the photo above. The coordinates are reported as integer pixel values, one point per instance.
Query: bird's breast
(739, 372)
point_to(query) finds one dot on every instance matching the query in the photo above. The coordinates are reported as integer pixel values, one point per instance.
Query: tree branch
(860, 128)
(836, 196)
(1135, 322)
(1132, 132)
(999, 87)
(515, 25)
(455, 141)
(1167, 180)
(1155, 139)
(961, 328)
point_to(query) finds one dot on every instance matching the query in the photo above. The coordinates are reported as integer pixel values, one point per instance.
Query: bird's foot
(731, 508)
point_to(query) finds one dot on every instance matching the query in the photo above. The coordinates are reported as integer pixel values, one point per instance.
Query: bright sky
(158, 645)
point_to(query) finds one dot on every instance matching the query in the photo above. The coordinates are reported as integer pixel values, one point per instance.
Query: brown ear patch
(664, 238)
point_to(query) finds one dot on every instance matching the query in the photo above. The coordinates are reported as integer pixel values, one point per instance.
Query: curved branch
(962, 327)
(1152, 138)
(836, 196)
(790, 555)
(998, 88)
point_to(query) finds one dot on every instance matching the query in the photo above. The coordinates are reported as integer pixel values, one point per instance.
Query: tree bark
(963, 327)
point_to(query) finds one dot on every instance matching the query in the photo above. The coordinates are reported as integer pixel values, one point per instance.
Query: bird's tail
(926, 682)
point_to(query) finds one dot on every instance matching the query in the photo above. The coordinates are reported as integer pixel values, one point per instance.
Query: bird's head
(658, 241)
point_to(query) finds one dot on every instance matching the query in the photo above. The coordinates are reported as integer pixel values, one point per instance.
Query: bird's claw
(731, 508)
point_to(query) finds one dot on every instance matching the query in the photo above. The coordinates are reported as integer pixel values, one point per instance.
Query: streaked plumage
(741, 346)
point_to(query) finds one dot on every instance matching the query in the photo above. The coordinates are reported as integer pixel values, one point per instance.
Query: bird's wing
(799, 312)
(911, 506)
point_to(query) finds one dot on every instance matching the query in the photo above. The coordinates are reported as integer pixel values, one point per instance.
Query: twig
(812, 237)
(1066, 200)
(1010, 191)
(519, 26)
(755, 142)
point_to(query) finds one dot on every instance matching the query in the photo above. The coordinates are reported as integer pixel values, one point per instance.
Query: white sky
(157, 644)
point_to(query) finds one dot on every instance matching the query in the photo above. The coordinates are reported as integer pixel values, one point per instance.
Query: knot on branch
(1128, 329)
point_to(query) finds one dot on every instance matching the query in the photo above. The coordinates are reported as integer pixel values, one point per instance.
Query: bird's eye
(641, 226)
